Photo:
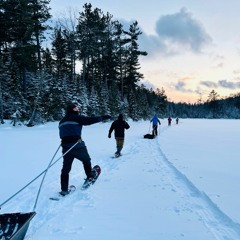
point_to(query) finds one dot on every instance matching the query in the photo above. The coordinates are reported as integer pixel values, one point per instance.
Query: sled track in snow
(221, 226)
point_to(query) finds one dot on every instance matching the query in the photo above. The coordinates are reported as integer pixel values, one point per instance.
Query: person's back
(169, 121)
(155, 121)
(119, 127)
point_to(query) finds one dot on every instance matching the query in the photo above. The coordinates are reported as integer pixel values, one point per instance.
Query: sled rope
(45, 171)
(40, 187)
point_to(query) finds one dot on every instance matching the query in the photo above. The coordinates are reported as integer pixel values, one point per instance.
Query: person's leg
(67, 165)
(82, 155)
(120, 143)
(116, 145)
(155, 130)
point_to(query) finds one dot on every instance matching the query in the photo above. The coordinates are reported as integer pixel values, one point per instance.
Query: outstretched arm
(91, 120)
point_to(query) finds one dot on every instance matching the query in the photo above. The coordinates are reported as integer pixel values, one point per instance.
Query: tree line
(215, 107)
(39, 81)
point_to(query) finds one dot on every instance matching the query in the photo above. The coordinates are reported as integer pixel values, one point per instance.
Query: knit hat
(120, 117)
(70, 107)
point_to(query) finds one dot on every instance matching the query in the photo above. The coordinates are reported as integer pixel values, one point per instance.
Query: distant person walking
(169, 121)
(155, 121)
(15, 117)
(119, 127)
(177, 119)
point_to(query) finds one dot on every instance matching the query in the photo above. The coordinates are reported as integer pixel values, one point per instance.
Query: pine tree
(82, 99)
(93, 108)
(59, 51)
(104, 100)
(161, 101)
(133, 106)
(132, 61)
(116, 104)
(142, 101)
(213, 103)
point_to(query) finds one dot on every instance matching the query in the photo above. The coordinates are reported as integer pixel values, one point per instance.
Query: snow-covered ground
(182, 185)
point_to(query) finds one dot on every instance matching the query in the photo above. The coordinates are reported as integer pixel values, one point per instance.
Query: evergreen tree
(213, 103)
(132, 62)
(89, 29)
(116, 104)
(40, 15)
(133, 106)
(104, 100)
(47, 61)
(59, 51)
(82, 99)
(161, 101)
(120, 40)
(142, 102)
(93, 108)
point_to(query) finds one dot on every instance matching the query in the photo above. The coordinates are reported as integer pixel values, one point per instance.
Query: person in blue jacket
(155, 121)
(70, 130)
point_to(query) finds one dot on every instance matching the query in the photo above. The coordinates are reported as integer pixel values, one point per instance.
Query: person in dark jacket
(177, 120)
(169, 121)
(70, 131)
(119, 127)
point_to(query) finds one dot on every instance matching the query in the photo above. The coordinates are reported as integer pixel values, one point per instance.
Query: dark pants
(82, 155)
(119, 144)
(155, 131)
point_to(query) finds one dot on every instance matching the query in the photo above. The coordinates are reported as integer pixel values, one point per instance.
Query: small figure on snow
(15, 117)
(177, 119)
(155, 121)
(70, 129)
(119, 127)
(169, 121)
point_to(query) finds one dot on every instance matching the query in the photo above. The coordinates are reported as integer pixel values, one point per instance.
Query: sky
(182, 185)
(193, 46)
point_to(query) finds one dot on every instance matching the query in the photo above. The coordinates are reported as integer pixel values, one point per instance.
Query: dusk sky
(193, 45)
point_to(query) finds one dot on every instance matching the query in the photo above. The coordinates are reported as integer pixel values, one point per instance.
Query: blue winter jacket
(155, 120)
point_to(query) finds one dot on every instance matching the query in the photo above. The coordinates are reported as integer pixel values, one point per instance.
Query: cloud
(229, 85)
(181, 29)
(149, 43)
(181, 86)
(221, 83)
(147, 84)
(209, 84)
(175, 34)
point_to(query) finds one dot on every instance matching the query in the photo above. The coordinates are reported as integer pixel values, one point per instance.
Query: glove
(106, 117)
(109, 135)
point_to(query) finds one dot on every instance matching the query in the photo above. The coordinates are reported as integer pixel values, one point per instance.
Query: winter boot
(64, 193)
